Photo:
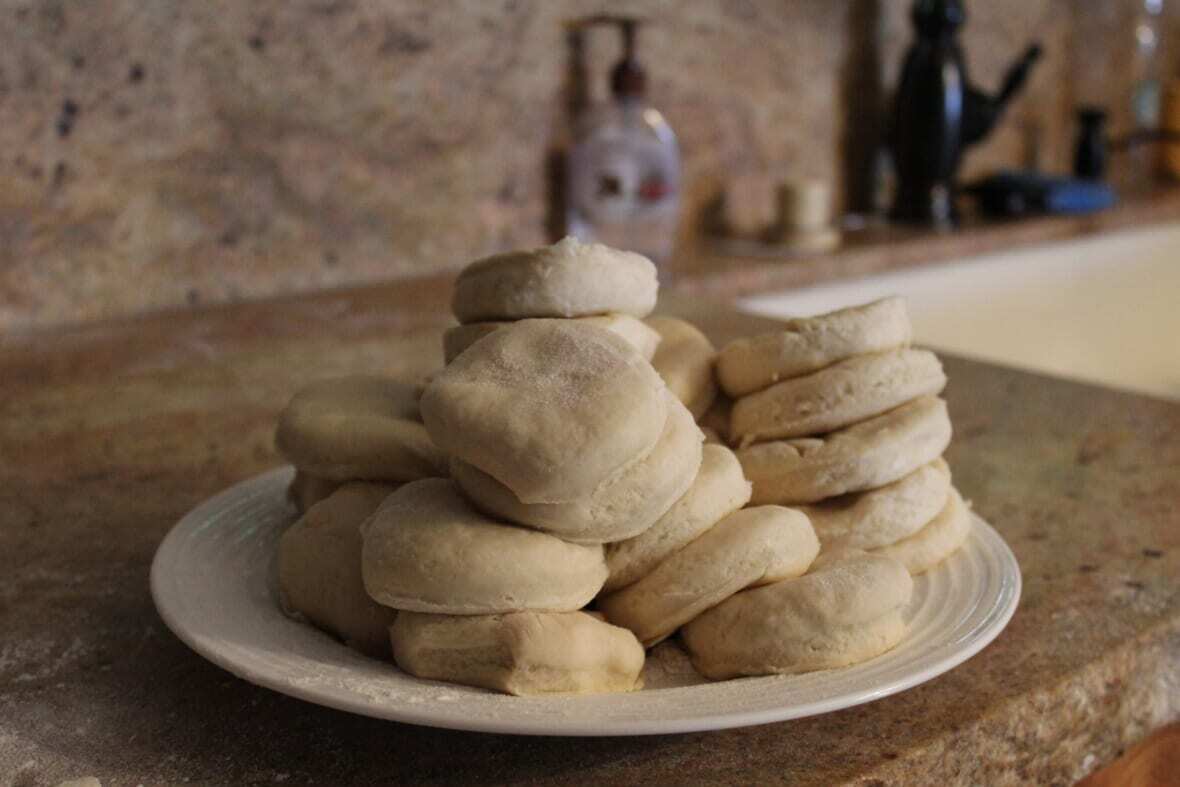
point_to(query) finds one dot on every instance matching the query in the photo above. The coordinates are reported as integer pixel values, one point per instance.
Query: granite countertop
(110, 433)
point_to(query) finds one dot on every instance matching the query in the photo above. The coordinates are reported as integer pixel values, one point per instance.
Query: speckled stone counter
(109, 434)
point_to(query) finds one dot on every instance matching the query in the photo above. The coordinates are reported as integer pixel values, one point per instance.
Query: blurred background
(170, 154)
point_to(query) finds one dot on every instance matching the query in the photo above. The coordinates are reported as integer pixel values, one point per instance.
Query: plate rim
(408, 714)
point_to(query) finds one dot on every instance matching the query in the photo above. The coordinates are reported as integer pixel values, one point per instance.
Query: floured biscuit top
(567, 279)
(549, 408)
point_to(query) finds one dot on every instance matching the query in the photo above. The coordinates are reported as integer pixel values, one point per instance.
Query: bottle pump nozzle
(627, 78)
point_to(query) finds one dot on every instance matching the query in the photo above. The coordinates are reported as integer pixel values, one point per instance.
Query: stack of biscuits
(556, 436)
(545, 508)
(838, 415)
(827, 408)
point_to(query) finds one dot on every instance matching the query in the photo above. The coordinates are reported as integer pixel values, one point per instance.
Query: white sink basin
(1103, 310)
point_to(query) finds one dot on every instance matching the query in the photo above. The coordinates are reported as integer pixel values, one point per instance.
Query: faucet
(937, 113)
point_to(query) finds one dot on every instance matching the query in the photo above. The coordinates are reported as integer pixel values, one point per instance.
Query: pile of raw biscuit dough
(563, 494)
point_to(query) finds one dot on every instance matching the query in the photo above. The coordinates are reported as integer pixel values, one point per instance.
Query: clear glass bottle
(623, 186)
(1146, 93)
(1145, 98)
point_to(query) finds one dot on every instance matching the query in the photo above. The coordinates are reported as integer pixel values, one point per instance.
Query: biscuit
(866, 455)
(749, 547)
(806, 344)
(358, 427)
(427, 550)
(549, 408)
(843, 612)
(837, 396)
(880, 517)
(319, 569)
(623, 506)
(718, 490)
(567, 279)
(644, 339)
(522, 653)
(684, 359)
(935, 542)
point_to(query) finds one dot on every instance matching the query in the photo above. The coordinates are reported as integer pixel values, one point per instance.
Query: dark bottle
(1089, 160)
(938, 113)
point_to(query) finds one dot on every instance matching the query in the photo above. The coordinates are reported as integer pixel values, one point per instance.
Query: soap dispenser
(623, 178)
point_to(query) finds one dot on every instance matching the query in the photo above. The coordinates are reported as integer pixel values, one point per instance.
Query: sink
(1103, 310)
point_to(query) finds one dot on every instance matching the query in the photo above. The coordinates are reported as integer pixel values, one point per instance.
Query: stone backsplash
(167, 154)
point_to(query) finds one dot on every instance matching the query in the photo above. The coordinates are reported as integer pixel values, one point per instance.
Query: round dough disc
(845, 611)
(863, 456)
(749, 547)
(359, 427)
(427, 550)
(805, 344)
(718, 490)
(884, 516)
(458, 338)
(320, 569)
(935, 542)
(684, 358)
(567, 279)
(522, 653)
(835, 397)
(549, 408)
(621, 507)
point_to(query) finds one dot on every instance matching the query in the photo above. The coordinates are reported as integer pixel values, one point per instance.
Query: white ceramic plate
(213, 583)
